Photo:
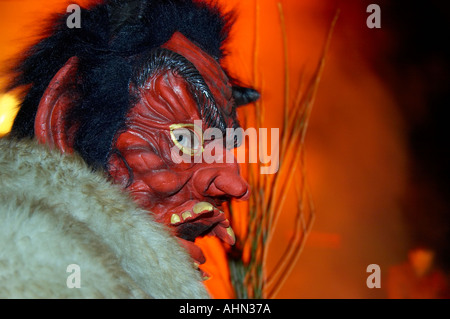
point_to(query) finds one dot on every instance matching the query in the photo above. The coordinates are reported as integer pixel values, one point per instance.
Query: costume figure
(130, 93)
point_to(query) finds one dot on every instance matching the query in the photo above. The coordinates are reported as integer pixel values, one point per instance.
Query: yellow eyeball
(187, 137)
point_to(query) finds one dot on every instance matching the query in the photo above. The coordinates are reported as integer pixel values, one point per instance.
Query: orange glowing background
(358, 159)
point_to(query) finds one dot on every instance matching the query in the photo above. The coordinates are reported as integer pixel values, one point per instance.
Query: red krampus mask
(135, 99)
(183, 195)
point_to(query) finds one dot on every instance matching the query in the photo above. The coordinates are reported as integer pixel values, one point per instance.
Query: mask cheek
(151, 175)
(164, 183)
(118, 171)
(156, 187)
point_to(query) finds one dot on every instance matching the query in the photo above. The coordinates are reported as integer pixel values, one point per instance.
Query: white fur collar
(54, 212)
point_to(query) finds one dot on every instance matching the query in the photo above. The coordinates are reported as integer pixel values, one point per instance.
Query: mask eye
(187, 137)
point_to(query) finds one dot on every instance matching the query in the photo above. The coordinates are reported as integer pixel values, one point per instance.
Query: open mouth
(199, 219)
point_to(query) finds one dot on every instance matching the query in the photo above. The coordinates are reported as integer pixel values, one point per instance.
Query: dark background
(416, 68)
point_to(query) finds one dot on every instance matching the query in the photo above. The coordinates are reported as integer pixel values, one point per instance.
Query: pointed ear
(243, 95)
(50, 123)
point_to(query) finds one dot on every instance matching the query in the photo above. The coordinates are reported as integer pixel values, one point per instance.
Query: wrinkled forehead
(209, 68)
(186, 84)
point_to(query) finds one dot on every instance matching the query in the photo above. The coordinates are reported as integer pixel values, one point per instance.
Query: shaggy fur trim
(56, 212)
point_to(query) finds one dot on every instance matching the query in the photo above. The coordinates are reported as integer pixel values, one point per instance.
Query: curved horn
(243, 95)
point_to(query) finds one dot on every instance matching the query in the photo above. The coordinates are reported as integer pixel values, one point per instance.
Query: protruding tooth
(225, 223)
(196, 265)
(231, 233)
(224, 233)
(205, 278)
(175, 219)
(186, 215)
(202, 207)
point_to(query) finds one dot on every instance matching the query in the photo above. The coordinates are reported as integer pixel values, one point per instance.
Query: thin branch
(298, 243)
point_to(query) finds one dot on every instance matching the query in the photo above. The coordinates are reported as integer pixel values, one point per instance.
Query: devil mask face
(184, 86)
(130, 94)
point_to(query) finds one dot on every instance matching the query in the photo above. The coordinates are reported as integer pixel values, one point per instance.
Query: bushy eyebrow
(161, 59)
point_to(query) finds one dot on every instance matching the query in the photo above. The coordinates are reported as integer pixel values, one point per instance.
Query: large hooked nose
(221, 180)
